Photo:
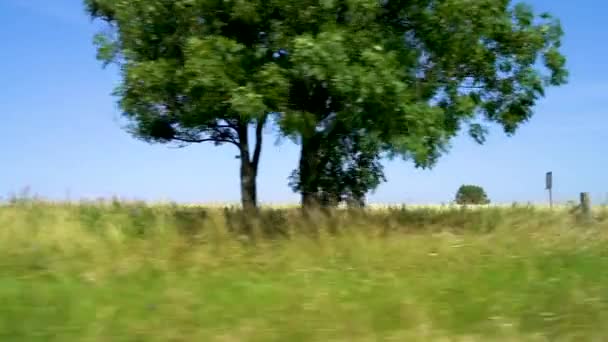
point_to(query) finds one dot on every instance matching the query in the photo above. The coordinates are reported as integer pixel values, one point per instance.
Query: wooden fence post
(586, 206)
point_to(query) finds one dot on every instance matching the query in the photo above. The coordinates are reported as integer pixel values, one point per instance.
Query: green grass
(131, 272)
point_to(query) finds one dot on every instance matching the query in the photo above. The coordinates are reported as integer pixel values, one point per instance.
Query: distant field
(384, 206)
(135, 272)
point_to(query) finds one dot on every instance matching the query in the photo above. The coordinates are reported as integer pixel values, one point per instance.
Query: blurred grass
(114, 271)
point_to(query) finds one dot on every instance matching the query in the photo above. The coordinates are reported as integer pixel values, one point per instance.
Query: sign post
(549, 186)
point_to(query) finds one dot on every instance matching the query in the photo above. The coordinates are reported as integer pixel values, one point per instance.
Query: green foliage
(471, 194)
(459, 60)
(187, 76)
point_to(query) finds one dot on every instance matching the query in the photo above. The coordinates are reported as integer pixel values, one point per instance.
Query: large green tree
(194, 71)
(410, 73)
(406, 74)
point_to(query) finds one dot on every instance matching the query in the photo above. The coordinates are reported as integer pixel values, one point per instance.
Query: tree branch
(224, 126)
(258, 141)
(215, 140)
(471, 87)
(225, 135)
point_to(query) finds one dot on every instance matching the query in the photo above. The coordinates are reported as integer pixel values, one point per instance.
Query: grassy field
(131, 272)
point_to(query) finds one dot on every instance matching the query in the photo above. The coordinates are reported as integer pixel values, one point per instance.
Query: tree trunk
(309, 162)
(312, 162)
(249, 164)
(248, 184)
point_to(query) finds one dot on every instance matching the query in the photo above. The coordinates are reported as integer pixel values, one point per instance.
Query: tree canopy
(471, 194)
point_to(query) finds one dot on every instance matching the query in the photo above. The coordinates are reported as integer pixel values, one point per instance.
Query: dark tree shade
(351, 169)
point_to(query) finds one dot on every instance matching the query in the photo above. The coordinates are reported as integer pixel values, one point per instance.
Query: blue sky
(61, 135)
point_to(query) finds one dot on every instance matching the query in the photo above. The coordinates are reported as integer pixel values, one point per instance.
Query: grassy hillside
(131, 272)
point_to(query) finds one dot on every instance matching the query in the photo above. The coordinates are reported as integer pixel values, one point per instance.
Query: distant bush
(471, 194)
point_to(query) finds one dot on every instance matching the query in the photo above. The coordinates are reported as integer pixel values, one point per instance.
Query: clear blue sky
(60, 133)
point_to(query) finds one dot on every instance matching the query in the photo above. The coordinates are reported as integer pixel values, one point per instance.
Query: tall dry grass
(112, 271)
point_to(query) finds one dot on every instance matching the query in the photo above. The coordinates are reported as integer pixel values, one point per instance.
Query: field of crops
(133, 272)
